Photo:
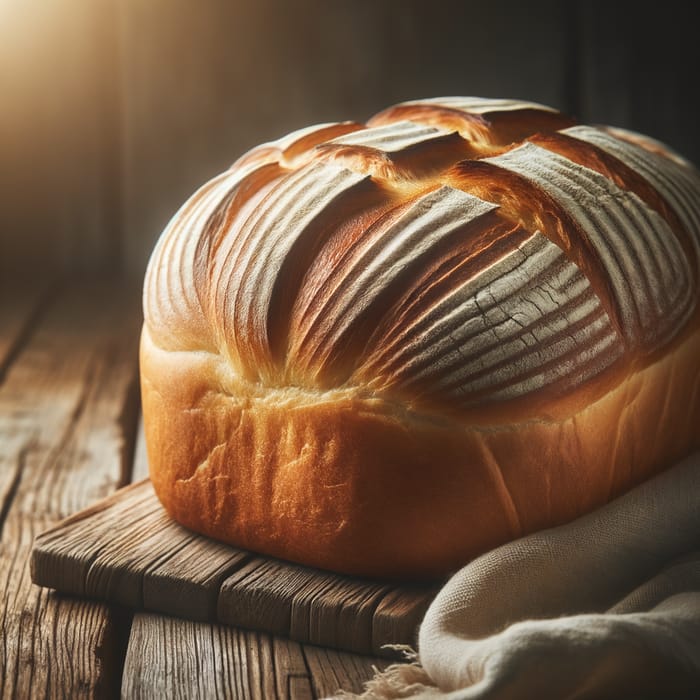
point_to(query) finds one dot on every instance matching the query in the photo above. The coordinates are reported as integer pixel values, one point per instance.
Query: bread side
(384, 349)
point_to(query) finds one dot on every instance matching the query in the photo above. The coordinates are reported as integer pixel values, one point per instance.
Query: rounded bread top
(460, 252)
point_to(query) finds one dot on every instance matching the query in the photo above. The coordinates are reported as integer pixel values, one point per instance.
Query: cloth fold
(607, 606)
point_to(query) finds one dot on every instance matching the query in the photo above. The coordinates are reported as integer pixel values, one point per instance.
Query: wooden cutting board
(126, 550)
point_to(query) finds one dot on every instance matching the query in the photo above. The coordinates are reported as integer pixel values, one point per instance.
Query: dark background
(113, 112)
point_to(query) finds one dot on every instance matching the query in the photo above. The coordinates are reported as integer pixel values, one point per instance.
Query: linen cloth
(607, 606)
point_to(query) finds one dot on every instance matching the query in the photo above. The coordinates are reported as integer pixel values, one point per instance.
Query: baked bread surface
(385, 348)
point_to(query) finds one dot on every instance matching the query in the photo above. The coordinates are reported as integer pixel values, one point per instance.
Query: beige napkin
(607, 606)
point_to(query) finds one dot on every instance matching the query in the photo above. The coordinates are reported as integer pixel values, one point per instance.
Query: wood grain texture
(332, 670)
(66, 411)
(396, 612)
(126, 550)
(185, 659)
(306, 604)
(21, 305)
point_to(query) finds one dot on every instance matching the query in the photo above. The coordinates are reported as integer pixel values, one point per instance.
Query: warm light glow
(52, 57)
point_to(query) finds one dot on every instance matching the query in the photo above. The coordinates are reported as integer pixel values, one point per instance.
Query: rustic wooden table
(70, 435)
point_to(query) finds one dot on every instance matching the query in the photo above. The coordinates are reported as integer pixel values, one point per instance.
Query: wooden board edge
(383, 625)
(97, 507)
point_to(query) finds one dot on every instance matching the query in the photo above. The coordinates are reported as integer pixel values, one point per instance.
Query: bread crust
(351, 483)
(384, 349)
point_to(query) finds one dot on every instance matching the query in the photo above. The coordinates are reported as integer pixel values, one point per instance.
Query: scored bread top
(454, 251)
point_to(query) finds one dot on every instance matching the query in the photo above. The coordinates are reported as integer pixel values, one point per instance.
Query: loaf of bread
(384, 348)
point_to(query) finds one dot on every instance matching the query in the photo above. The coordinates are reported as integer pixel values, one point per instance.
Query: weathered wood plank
(20, 307)
(18, 311)
(291, 672)
(186, 659)
(208, 563)
(174, 658)
(260, 595)
(116, 573)
(334, 612)
(332, 670)
(64, 554)
(322, 608)
(66, 409)
(127, 550)
(397, 612)
(337, 613)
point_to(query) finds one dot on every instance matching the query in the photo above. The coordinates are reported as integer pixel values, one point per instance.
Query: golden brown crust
(384, 349)
(360, 486)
